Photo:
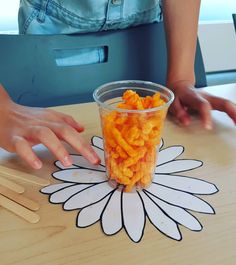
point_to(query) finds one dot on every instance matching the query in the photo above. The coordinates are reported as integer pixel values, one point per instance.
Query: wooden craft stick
(23, 176)
(19, 210)
(34, 206)
(11, 185)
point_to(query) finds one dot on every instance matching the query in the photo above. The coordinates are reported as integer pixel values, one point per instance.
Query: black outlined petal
(111, 219)
(80, 162)
(133, 215)
(88, 196)
(180, 198)
(79, 175)
(92, 213)
(187, 184)
(179, 165)
(64, 194)
(177, 214)
(98, 142)
(55, 187)
(159, 219)
(169, 154)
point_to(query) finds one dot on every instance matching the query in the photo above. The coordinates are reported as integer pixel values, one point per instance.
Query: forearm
(181, 24)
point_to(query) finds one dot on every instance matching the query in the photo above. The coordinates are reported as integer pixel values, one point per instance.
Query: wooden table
(56, 240)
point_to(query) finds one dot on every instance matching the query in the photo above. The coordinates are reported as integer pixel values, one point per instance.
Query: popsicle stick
(19, 210)
(23, 176)
(11, 185)
(34, 206)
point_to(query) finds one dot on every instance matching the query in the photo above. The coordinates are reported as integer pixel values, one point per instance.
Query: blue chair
(30, 71)
(234, 20)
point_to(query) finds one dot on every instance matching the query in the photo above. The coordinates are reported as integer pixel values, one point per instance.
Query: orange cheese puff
(136, 167)
(114, 154)
(138, 142)
(121, 153)
(132, 98)
(121, 141)
(147, 127)
(127, 172)
(137, 177)
(157, 101)
(111, 142)
(133, 160)
(151, 155)
(121, 119)
(124, 106)
(133, 133)
(147, 102)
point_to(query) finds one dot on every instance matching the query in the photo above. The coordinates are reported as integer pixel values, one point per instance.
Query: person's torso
(76, 16)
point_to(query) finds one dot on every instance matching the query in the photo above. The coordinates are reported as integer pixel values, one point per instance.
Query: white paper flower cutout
(166, 203)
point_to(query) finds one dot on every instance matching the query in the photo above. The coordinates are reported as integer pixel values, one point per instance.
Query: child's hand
(188, 99)
(23, 127)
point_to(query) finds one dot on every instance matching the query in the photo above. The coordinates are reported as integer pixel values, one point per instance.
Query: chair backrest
(30, 72)
(234, 20)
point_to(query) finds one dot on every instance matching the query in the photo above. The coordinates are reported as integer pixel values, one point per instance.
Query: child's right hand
(23, 127)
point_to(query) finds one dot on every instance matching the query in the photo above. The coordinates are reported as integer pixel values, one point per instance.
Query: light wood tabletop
(55, 239)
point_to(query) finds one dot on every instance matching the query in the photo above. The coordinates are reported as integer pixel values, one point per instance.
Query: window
(8, 16)
(217, 35)
(217, 10)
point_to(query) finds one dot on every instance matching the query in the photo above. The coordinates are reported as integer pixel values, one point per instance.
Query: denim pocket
(26, 16)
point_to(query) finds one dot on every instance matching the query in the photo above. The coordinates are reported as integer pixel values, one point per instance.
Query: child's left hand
(188, 99)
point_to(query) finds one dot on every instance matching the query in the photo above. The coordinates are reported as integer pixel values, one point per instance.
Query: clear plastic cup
(131, 137)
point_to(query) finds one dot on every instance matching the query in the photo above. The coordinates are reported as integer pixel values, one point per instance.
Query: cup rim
(104, 105)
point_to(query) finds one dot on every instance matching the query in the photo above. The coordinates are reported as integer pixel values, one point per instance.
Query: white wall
(8, 15)
(218, 44)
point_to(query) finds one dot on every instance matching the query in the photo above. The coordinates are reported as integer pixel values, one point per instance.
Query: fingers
(204, 109)
(180, 113)
(45, 136)
(70, 121)
(24, 150)
(223, 105)
(73, 138)
(193, 100)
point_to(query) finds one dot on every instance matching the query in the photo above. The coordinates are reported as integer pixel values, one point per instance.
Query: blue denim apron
(79, 16)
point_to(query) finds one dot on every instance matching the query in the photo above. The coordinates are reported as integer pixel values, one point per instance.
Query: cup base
(121, 188)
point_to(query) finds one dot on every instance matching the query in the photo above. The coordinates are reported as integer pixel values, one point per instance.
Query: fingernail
(94, 159)
(37, 164)
(67, 161)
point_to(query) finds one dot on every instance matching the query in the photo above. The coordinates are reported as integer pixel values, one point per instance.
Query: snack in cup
(132, 122)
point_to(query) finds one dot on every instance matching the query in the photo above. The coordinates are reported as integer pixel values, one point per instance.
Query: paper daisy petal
(179, 165)
(161, 144)
(111, 220)
(187, 184)
(88, 196)
(169, 153)
(80, 161)
(178, 214)
(133, 215)
(64, 194)
(55, 187)
(160, 220)
(80, 175)
(179, 198)
(91, 214)
(60, 166)
(98, 142)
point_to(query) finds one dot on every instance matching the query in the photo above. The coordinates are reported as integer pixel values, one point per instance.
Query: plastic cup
(131, 137)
